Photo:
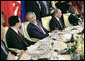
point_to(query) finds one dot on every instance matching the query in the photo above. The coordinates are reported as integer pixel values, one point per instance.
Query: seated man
(5, 52)
(13, 37)
(73, 18)
(35, 29)
(56, 22)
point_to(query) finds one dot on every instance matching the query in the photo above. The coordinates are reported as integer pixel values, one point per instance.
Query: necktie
(41, 29)
(22, 38)
(60, 24)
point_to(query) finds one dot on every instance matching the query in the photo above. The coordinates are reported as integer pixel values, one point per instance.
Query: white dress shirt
(15, 30)
(59, 21)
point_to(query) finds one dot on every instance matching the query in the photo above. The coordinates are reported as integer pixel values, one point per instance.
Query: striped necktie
(22, 38)
(41, 28)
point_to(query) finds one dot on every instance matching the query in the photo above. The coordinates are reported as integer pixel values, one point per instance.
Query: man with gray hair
(35, 28)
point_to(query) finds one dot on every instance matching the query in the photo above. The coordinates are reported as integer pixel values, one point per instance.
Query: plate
(63, 36)
(64, 57)
(59, 46)
(37, 52)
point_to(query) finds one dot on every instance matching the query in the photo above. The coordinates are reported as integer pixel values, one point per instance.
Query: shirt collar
(35, 23)
(57, 18)
(15, 29)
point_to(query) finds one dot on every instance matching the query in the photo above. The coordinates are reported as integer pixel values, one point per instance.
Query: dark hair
(13, 20)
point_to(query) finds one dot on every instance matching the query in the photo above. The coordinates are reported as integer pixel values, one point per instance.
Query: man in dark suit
(73, 18)
(35, 28)
(45, 8)
(5, 52)
(56, 22)
(14, 38)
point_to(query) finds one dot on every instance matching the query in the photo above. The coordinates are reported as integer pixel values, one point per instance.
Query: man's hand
(54, 31)
(10, 56)
(22, 53)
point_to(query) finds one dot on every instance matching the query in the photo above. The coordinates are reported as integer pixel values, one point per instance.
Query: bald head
(57, 13)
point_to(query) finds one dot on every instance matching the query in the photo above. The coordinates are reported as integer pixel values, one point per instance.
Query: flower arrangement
(77, 46)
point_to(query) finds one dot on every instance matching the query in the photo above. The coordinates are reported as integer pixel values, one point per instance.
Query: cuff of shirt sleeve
(50, 34)
(16, 58)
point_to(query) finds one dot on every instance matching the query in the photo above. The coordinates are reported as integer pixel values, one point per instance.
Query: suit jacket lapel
(61, 23)
(17, 36)
(58, 23)
(36, 27)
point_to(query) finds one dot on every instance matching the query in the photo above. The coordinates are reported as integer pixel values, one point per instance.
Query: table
(51, 47)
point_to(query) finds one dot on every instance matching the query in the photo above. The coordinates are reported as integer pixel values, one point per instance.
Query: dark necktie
(60, 23)
(22, 38)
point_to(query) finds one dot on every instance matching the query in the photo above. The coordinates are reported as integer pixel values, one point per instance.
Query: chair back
(25, 24)
(45, 22)
(66, 20)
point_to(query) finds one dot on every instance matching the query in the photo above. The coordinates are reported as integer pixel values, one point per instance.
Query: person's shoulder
(72, 16)
(30, 25)
(9, 30)
(38, 21)
(53, 18)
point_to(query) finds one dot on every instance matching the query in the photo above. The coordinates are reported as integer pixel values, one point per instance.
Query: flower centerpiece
(77, 47)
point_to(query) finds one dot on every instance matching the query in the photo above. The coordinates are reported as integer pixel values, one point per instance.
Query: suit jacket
(73, 20)
(43, 9)
(53, 24)
(15, 41)
(3, 54)
(35, 32)
(32, 6)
